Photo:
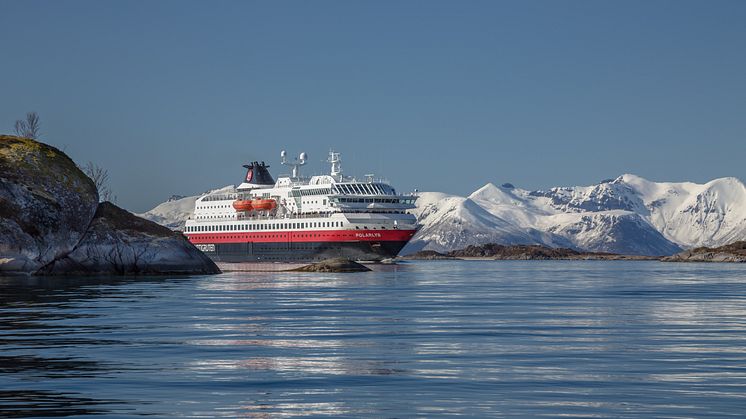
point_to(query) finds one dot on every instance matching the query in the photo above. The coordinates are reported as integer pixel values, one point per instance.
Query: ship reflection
(299, 340)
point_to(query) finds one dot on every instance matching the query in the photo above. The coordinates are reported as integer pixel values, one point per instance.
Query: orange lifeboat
(264, 204)
(242, 205)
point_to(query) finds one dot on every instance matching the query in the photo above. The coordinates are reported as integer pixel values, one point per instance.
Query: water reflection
(480, 339)
(30, 403)
(45, 335)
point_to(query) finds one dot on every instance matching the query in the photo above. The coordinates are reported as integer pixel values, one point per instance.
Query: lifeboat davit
(264, 204)
(243, 205)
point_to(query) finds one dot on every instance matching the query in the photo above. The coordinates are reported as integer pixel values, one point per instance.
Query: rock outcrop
(46, 204)
(334, 265)
(121, 243)
(734, 252)
(51, 222)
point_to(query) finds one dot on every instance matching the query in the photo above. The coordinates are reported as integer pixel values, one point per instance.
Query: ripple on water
(596, 339)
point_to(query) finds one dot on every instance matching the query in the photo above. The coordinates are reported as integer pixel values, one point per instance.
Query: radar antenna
(295, 164)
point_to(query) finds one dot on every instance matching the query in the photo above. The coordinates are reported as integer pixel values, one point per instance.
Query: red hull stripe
(303, 236)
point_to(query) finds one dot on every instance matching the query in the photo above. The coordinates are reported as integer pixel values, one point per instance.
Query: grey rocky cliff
(121, 243)
(51, 222)
(46, 204)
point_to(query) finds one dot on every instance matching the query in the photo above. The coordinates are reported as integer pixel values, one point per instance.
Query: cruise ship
(298, 219)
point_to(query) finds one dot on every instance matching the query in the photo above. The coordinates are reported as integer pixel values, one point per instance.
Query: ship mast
(336, 161)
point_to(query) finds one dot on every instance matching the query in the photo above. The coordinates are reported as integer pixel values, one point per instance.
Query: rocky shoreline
(51, 223)
(735, 252)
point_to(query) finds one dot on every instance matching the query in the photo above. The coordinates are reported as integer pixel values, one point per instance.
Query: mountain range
(626, 215)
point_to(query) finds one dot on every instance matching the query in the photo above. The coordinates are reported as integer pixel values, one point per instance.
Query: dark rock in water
(52, 224)
(46, 204)
(334, 265)
(121, 243)
(734, 252)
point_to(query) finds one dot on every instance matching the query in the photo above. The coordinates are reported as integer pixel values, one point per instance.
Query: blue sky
(174, 96)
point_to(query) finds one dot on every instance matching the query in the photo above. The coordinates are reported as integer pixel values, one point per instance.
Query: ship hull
(303, 246)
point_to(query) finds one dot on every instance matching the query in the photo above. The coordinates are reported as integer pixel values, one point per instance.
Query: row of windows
(363, 189)
(213, 206)
(308, 192)
(371, 200)
(261, 227)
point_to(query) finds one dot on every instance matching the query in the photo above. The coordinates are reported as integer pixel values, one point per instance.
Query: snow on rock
(615, 231)
(692, 215)
(453, 222)
(628, 215)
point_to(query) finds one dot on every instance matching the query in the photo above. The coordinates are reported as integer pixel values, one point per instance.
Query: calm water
(602, 339)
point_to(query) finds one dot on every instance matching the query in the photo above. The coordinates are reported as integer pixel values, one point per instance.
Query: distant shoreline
(732, 253)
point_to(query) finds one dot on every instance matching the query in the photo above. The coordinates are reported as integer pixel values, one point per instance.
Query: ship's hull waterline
(303, 246)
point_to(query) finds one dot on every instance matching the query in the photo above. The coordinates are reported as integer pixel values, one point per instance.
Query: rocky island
(51, 223)
(734, 252)
(494, 251)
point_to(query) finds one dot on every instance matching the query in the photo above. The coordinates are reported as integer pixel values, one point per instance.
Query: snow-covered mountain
(628, 215)
(453, 222)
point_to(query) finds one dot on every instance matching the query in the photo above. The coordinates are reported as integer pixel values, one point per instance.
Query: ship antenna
(295, 164)
(336, 161)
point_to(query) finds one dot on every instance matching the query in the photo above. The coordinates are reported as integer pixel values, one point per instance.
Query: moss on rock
(46, 204)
